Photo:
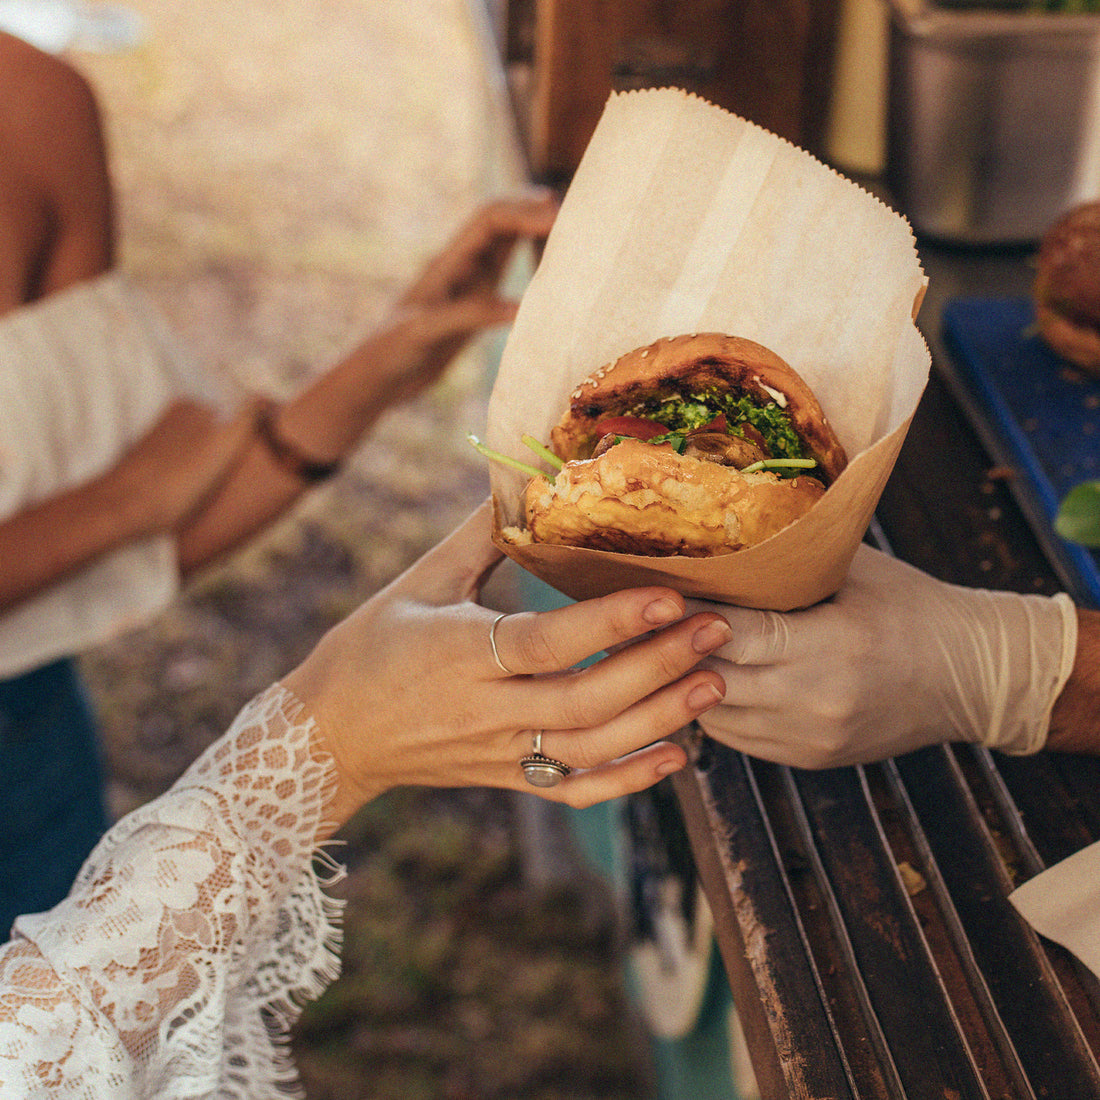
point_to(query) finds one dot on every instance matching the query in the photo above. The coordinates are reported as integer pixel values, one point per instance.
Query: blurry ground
(284, 168)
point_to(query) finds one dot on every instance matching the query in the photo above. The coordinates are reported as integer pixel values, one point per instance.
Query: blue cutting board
(1035, 413)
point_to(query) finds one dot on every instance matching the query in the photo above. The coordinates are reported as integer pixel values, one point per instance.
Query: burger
(1066, 289)
(693, 445)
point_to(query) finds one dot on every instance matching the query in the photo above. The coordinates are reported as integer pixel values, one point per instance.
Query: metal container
(993, 119)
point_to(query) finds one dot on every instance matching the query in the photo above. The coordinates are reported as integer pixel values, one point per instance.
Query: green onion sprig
(780, 464)
(544, 453)
(530, 442)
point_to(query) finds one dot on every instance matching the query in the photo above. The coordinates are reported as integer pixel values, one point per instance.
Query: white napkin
(1063, 904)
(83, 374)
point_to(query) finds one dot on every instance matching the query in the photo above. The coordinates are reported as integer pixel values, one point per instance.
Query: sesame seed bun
(685, 364)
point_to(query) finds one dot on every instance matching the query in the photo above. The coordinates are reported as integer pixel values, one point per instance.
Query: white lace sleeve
(194, 933)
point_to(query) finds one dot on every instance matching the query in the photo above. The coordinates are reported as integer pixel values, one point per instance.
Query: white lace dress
(194, 933)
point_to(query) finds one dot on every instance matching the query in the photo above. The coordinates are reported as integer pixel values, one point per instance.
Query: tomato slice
(634, 426)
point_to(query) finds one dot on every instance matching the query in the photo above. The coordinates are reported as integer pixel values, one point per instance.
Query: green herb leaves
(1078, 518)
(696, 410)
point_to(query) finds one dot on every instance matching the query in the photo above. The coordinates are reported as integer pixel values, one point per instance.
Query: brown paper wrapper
(685, 218)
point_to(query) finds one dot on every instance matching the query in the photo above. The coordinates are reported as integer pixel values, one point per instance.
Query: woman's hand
(458, 294)
(406, 691)
(456, 297)
(895, 661)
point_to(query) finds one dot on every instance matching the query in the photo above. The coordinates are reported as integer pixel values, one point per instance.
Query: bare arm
(170, 473)
(213, 486)
(56, 208)
(1075, 720)
(455, 298)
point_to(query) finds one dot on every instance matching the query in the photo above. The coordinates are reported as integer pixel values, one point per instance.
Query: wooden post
(767, 60)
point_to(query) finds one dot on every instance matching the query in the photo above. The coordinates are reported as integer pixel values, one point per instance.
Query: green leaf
(1078, 518)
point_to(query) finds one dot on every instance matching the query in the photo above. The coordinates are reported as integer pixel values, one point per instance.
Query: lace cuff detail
(193, 935)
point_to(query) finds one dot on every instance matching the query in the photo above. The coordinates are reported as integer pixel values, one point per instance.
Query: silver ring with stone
(540, 770)
(493, 644)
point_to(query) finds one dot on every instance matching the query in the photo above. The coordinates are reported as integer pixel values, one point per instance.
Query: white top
(83, 374)
(193, 933)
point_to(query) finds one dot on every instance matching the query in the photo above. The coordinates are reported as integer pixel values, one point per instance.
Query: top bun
(683, 364)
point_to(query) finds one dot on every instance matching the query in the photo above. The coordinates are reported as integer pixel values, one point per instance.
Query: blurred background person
(203, 479)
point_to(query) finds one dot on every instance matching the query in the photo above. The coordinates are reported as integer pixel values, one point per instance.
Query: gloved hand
(895, 661)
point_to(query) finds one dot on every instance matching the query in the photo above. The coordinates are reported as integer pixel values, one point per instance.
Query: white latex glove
(895, 661)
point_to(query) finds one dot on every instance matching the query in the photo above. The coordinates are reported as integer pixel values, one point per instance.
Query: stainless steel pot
(993, 119)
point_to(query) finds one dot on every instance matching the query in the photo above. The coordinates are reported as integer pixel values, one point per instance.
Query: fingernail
(669, 767)
(708, 638)
(703, 696)
(661, 611)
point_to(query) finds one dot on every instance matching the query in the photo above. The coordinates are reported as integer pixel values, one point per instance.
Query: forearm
(329, 417)
(1075, 719)
(48, 541)
(455, 298)
(214, 486)
(325, 422)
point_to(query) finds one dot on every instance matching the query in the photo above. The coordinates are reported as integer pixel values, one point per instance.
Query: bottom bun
(1077, 342)
(637, 498)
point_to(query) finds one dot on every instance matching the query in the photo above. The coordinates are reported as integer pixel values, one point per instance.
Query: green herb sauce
(686, 412)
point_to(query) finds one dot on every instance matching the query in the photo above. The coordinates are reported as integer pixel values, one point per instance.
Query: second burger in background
(693, 445)
(1066, 289)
